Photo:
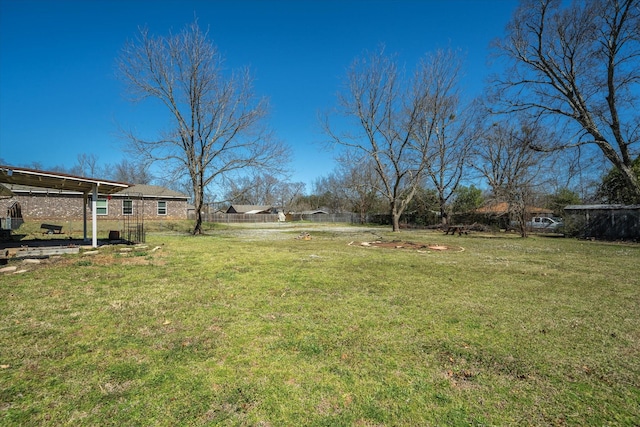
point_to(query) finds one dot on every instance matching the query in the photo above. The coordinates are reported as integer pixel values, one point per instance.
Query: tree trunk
(395, 218)
(523, 228)
(630, 177)
(444, 218)
(521, 217)
(396, 221)
(197, 228)
(363, 215)
(198, 202)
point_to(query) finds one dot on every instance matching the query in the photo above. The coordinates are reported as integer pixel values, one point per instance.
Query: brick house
(150, 201)
(157, 203)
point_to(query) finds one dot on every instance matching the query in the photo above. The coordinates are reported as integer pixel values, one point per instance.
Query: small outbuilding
(608, 222)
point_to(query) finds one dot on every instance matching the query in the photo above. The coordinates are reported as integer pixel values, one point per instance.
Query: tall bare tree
(443, 124)
(216, 120)
(387, 109)
(579, 67)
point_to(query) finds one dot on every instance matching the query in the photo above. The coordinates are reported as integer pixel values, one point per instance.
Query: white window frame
(127, 210)
(162, 208)
(99, 208)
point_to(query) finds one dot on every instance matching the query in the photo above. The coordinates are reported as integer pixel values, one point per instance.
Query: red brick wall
(39, 206)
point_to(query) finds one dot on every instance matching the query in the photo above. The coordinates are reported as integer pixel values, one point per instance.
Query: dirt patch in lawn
(398, 244)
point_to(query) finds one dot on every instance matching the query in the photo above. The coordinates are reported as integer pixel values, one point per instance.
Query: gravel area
(291, 230)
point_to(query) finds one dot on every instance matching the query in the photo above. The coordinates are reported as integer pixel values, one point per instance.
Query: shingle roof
(5, 192)
(503, 208)
(152, 191)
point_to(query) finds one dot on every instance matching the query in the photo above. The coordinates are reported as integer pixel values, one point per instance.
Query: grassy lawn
(253, 327)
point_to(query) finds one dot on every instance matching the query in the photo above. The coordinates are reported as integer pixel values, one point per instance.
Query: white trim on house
(162, 211)
(102, 210)
(127, 207)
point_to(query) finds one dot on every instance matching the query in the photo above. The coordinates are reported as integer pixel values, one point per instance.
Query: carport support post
(85, 200)
(94, 216)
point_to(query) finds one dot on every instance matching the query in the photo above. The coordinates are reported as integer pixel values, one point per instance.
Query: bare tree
(86, 165)
(387, 110)
(443, 124)
(289, 193)
(513, 170)
(264, 189)
(578, 66)
(358, 183)
(131, 172)
(217, 121)
(258, 189)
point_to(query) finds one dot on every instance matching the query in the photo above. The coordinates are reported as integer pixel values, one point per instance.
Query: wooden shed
(608, 222)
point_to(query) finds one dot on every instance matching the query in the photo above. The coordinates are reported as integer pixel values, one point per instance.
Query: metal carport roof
(58, 181)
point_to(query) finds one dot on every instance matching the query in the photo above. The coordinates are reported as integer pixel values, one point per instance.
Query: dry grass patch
(399, 244)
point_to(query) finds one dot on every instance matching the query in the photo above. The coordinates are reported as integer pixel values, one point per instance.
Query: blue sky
(59, 96)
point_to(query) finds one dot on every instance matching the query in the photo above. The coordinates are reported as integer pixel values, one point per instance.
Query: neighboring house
(495, 214)
(241, 214)
(502, 208)
(149, 201)
(610, 222)
(250, 209)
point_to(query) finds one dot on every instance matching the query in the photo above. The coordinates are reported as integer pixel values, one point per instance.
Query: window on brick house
(101, 207)
(127, 207)
(162, 207)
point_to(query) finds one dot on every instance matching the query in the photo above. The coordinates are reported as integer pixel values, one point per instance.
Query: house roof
(57, 180)
(315, 212)
(248, 209)
(5, 192)
(152, 191)
(500, 208)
